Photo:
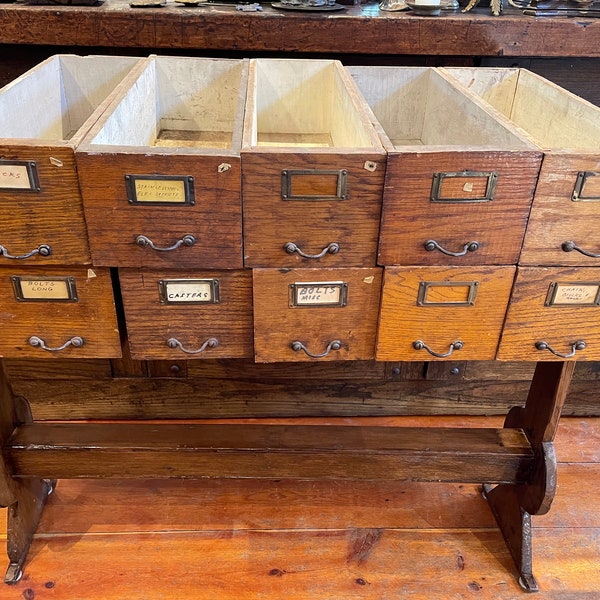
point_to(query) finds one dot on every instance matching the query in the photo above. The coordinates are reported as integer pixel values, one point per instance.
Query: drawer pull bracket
(431, 245)
(298, 346)
(419, 345)
(571, 245)
(42, 250)
(142, 241)
(36, 342)
(332, 248)
(209, 343)
(575, 346)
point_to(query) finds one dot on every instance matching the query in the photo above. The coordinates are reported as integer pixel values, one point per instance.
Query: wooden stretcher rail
(71, 450)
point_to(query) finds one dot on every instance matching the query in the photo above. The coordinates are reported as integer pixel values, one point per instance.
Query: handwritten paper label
(580, 294)
(189, 291)
(43, 289)
(18, 175)
(318, 294)
(163, 189)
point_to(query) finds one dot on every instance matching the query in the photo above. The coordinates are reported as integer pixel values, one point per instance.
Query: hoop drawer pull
(431, 245)
(36, 342)
(42, 250)
(419, 345)
(571, 245)
(331, 248)
(143, 242)
(298, 346)
(209, 343)
(575, 346)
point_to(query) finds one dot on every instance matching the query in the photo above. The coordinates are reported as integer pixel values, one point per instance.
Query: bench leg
(514, 504)
(23, 518)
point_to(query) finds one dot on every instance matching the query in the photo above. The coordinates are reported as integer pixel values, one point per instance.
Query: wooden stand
(518, 459)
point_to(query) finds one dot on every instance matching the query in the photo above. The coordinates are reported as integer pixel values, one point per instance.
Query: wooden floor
(243, 539)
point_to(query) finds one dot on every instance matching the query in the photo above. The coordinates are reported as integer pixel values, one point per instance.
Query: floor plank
(244, 539)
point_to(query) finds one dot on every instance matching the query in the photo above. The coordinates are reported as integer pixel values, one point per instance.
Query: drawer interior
(53, 100)
(554, 117)
(178, 102)
(417, 106)
(305, 104)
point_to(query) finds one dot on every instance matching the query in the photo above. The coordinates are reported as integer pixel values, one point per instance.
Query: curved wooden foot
(515, 524)
(23, 519)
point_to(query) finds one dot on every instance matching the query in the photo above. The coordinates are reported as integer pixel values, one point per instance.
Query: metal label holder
(341, 192)
(553, 296)
(314, 290)
(186, 199)
(30, 169)
(425, 286)
(21, 293)
(578, 191)
(439, 178)
(213, 291)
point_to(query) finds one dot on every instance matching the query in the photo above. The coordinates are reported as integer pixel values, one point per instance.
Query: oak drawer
(160, 171)
(460, 178)
(188, 314)
(315, 314)
(313, 168)
(57, 312)
(553, 308)
(43, 116)
(430, 313)
(562, 226)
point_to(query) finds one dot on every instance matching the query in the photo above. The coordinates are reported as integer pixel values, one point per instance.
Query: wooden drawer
(430, 313)
(45, 308)
(160, 171)
(43, 115)
(460, 178)
(188, 314)
(329, 312)
(313, 168)
(562, 227)
(553, 308)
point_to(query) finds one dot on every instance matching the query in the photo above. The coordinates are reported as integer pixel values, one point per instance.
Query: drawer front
(304, 210)
(315, 314)
(41, 215)
(563, 226)
(174, 315)
(163, 211)
(57, 312)
(453, 313)
(456, 208)
(556, 309)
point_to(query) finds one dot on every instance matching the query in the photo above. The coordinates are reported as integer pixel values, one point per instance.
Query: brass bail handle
(431, 245)
(575, 347)
(420, 345)
(145, 242)
(331, 248)
(298, 346)
(38, 342)
(209, 343)
(42, 250)
(571, 245)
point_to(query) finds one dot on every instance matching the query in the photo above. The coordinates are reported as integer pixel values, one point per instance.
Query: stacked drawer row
(292, 210)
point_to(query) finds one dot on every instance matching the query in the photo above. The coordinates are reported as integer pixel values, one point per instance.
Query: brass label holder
(160, 190)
